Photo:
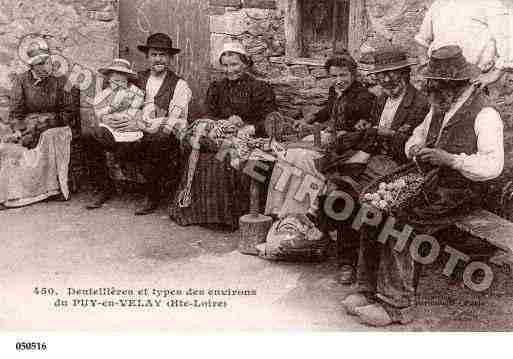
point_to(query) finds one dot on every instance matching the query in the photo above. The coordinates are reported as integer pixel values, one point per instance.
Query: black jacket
(247, 97)
(411, 112)
(357, 104)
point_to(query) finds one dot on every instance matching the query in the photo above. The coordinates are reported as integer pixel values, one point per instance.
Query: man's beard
(441, 100)
(392, 89)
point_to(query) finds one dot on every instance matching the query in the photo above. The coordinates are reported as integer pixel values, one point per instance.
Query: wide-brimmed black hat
(448, 63)
(159, 41)
(386, 59)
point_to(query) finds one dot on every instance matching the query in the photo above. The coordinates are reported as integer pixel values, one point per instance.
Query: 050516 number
(30, 346)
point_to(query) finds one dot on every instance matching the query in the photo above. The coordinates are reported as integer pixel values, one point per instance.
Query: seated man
(399, 109)
(462, 139)
(395, 114)
(166, 103)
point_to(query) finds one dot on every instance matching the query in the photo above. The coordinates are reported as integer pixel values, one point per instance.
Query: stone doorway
(317, 29)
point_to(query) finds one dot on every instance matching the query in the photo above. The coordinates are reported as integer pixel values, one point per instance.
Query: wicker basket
(314, 252)
(403, 198)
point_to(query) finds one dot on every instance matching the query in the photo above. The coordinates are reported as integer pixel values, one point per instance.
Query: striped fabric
(220, 194)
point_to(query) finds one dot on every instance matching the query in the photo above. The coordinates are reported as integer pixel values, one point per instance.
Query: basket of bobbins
(394, 191)
(287, 129)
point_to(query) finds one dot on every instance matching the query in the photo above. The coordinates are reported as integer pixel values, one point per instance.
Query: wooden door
(186, 21)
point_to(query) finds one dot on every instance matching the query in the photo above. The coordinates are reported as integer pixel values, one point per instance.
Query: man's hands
(435, 156)
(362, 125)
(414, 150)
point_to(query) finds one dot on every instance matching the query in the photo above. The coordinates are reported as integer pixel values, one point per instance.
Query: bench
(493, 224)
(496, 230)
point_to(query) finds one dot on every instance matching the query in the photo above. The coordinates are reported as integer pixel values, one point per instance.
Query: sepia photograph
(255, 165)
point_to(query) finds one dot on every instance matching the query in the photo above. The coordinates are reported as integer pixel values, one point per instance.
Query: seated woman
(219, 192)
(347, 111)
(349, 102)
(34, 166)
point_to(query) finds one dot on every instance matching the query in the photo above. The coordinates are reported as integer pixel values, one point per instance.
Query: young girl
(119, 100)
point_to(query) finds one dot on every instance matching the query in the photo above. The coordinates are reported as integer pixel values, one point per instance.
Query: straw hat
(448, 63)
(384, 60)
(119, 65)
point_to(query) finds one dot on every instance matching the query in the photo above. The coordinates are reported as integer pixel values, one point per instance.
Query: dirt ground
(61, 245)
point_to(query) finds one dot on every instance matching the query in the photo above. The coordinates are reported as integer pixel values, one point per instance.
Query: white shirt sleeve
(179, 109)
(488, 162)
(500, 23)
(425, 35)
(419, 134)
(179, 104)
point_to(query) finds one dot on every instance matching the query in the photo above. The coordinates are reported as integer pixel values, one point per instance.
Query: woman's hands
(236, 121)
(362, 125)
(120, 122)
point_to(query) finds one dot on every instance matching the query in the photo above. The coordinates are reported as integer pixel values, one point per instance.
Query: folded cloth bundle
(294, 238)
(34, 125)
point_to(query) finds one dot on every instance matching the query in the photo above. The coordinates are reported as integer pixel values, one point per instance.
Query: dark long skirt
(219, 193)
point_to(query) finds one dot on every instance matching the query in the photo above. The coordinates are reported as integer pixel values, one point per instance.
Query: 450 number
(44, 291)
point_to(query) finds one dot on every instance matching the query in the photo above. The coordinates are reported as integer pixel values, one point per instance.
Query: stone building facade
(288, 39)
(299, 79)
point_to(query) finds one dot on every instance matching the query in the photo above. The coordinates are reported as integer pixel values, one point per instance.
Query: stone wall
(301, 85)
(84, 32)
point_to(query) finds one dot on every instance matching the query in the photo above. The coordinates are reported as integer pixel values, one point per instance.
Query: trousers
(157, 155)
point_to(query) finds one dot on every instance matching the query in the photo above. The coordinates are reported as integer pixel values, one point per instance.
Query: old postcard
(228, 165)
